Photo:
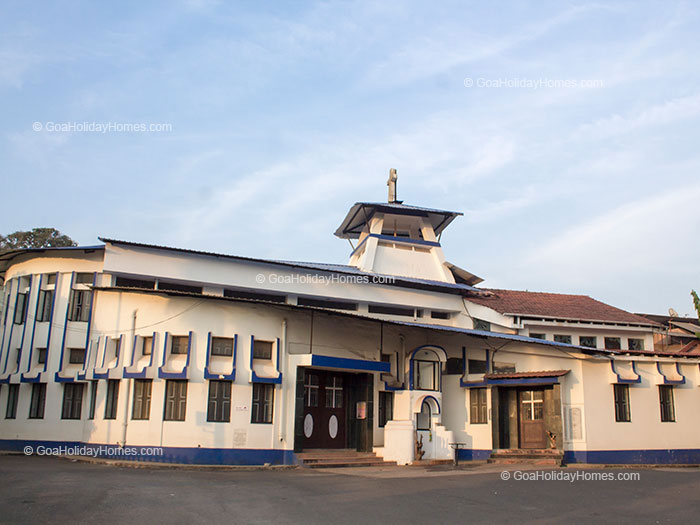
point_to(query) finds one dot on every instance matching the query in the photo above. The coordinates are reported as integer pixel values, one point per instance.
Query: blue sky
(284, 114)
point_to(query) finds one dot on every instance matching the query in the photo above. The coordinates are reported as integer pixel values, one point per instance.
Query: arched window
(426, 370)
(423, 417)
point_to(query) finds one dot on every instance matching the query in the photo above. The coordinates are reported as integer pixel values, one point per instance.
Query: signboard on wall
(361, 410)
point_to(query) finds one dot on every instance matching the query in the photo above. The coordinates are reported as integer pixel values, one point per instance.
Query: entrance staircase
(545, 457)
(333, 458)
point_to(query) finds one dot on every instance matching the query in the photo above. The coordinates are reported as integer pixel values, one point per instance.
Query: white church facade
(220, 359)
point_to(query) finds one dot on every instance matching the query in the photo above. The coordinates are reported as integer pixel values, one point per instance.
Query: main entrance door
(532, 432)
(325, 402)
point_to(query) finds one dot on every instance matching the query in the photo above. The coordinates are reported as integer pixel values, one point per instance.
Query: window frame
(609, 345)
(478, 406)
(141, 405)
(75, 361)
(385, 409)
(565, 339)
(12, 401)
(79, 310)
(666, 404)
(175, 402)
(257, 355)
(179, 346)
(93, 399)
(262, 409)
(593, 338)
(436, 375)
(214, 352)
(112, 399)
(219, 401)
(72, 407)
(45, 306)
(37, 404)
(20, 313)
(621, 400)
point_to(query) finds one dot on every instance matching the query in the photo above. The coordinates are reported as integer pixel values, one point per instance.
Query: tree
(36, 238)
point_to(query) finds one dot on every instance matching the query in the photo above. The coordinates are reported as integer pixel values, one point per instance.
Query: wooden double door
(531, 416)
(325, 409)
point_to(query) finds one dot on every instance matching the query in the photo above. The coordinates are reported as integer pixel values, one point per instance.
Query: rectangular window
(622, 403)
(477, 366)
(434, 314)
(239, 294)
(386, 408)
(147, 348)
(20, 308)
(76, 356)
(311, 390)
(612, 343)
(72, 400)
(12, 396)
(426, 375)
(480, 324)
(222, 346)
(262, 349)
(334, 392)
(219, 407)
(36, 408)
(478, 409)
(668, 412)
(635, 344)
(263, 400)
(79, 309)
(93, 399)
(51, 278)
(45, 304)
(179, 287)
(41, 357)
(560, 338)
(325, 303)
(538, 336)
(589, 341)
(179, 345)
(84, 278)
(503, 368)
(112, 400)
(175, 400)
(124, 282)
(141, 409)
(391, 310)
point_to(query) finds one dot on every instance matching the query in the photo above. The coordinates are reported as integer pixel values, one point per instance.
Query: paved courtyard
(41, 489)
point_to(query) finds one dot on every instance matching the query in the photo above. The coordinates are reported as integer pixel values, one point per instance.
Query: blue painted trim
(668, 381)
(31, 341)
(254, 378)
(626, 381)
(470, 454)
(423, 399)
(635, 457)
(65, 331)
(349, 364)
(410, 362)
(48, 337)
(92, 303)
(4, 325)
(143, 373)
(183, 455)
(24, 323)
(228, 377)
(524, 381)
(176, 375)
(12, 327)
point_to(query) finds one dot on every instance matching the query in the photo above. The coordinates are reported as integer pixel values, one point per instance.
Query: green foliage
(36, 238)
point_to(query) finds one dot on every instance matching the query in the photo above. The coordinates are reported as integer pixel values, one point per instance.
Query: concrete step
(526, 456)
(340, 458)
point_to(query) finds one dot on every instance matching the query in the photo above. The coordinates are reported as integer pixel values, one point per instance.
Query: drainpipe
(125, 420)
(283, 393)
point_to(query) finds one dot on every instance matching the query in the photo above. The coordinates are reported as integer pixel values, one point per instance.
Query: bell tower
(398, 239)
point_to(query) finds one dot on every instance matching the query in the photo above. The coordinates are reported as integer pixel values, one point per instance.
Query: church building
(125, 348)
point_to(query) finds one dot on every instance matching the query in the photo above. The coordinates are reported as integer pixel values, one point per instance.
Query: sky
(566, 132)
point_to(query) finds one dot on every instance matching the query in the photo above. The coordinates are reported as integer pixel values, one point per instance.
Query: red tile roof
(521, 375)
(555, 305)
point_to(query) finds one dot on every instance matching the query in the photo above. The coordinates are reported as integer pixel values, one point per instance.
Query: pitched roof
(558, 306)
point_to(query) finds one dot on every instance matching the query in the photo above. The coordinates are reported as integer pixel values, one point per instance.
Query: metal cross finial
(392, 185)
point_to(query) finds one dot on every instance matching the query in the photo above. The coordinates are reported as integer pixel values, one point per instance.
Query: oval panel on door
(333, 426)
(308, 425)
